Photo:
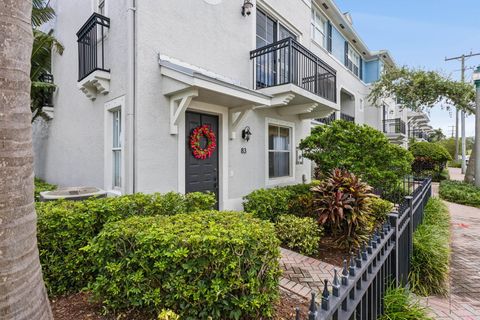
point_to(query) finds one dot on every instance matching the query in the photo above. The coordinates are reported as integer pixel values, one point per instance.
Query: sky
(421, 34)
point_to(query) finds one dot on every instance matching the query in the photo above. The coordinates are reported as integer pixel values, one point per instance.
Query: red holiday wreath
(197, 133)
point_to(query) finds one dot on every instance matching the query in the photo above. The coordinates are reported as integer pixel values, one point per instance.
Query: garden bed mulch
(330, 253)
(78, 307)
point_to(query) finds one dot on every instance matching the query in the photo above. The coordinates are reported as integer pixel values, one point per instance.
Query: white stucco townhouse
(137, 77)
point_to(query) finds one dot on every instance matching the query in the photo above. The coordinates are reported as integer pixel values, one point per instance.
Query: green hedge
(268, 204)
(380, 208)
(400, 305)
(41, 186)
(460, 192)
(211, 265)
(431, 251)
(299, 234)
(65, 227)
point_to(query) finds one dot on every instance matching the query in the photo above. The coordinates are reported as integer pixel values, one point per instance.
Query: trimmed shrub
(430, 159)
(400, 305)
(41, 186)
(380, 208)
(431, 251)
(168, 315)
(222, 265)
(460, 192)
(359, 149)
(268, 204)
(65, 227)
(299, 234)
(342, 204)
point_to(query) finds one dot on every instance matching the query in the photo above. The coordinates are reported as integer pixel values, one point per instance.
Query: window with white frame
(101, 7)
(318, 26)
(353, 61)
(116, 149)
(279, 151)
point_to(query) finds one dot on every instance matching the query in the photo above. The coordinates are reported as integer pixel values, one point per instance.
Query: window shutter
(329, 36)
(361, 69)
(346, 54)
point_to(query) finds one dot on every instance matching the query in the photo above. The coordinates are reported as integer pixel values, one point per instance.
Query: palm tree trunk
(470, 173)
(22, 291)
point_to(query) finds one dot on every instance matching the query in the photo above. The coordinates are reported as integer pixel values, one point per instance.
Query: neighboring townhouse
(137, 78)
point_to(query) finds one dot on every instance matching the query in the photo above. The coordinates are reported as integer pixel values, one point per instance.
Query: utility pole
(464, 138)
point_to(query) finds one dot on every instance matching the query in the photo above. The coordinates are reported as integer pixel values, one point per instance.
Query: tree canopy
(418, 89)
(360, 149)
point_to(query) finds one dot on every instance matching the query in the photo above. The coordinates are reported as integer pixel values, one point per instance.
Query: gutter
(131, 123)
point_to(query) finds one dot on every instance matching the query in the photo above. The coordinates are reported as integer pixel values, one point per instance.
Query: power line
(464, 142)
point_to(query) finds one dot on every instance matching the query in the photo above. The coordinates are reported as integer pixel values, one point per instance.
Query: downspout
(131, 96)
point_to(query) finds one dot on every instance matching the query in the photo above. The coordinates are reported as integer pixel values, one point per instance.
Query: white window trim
(273, 14)
(319, 12)
(280, 180)
(109, 107)
(95, 4)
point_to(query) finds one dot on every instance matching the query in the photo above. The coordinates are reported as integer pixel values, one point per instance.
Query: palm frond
(41, 13)
(43, 44)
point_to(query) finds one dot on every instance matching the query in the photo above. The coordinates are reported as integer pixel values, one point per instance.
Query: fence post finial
(335, 284)
(325, 296)
(352, 265)
(358, 259)
(364, 251)
(312, 313)
(344, 273)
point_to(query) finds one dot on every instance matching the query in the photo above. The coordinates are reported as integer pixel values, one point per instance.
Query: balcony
(288, 62)
(328, 120)
(394, 126)
(395, 130)
(93, 75)
(418, 134)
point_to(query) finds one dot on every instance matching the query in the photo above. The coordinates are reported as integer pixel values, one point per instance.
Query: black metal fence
(394, 126)
(384, 260)
(91, 45)
(287, 61)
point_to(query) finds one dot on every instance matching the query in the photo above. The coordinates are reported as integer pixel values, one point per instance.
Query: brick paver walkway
(463, 301)
(302, 274)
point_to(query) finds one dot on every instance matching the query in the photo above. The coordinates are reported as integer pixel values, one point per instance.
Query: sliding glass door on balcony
(272, 69)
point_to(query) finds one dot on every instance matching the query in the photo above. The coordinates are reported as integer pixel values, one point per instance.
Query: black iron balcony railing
(394, 126)
(419, 134)
(91, 45)
(46, 95)
(327, 120)
(333, 117)
(287, 61)
(347, 117)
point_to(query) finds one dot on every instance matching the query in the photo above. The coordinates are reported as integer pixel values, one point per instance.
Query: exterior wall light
(246, 133)
(247, 8)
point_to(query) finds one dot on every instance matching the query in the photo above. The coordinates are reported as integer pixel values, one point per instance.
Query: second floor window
(353, 62)
(270, 30)
(101, 7)
(318, 28)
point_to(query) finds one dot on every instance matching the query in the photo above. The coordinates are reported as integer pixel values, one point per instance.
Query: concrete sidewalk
(463, 301)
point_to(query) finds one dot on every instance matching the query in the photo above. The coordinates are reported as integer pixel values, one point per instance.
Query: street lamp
(476, 80)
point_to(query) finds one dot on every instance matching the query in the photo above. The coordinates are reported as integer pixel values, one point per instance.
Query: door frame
(222, 145)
